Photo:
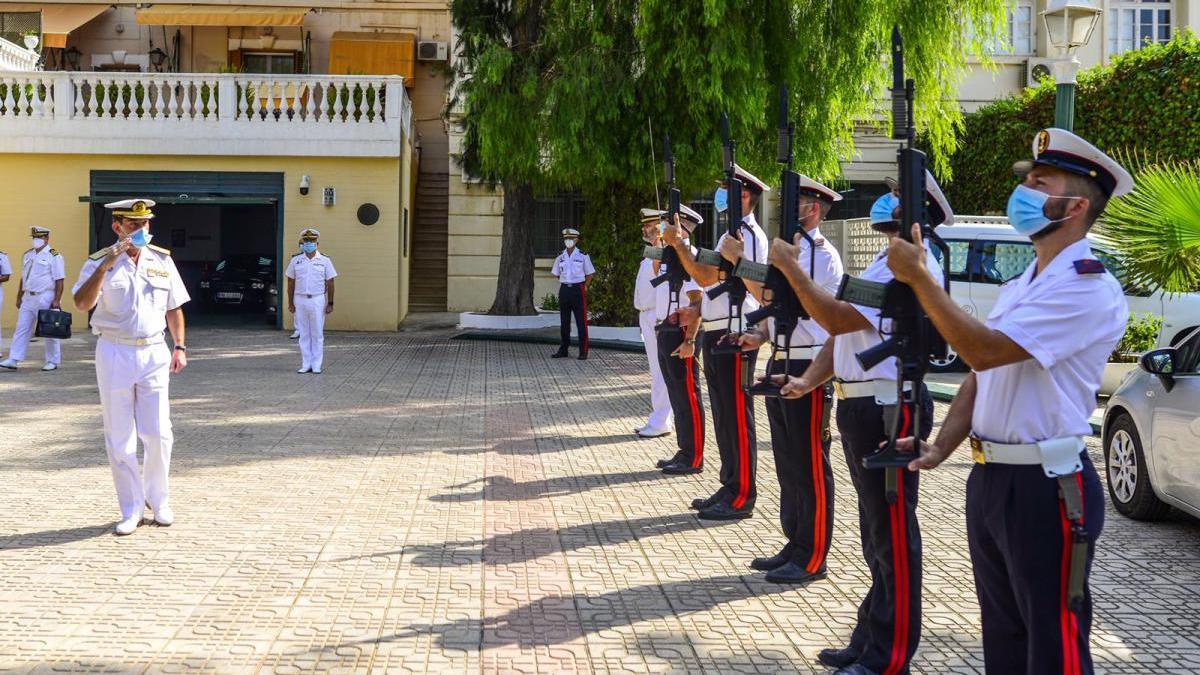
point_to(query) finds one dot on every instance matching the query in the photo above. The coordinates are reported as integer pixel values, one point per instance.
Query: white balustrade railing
(247, 108)
(14, 57)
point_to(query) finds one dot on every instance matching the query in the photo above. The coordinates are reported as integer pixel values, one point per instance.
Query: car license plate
(229, 296)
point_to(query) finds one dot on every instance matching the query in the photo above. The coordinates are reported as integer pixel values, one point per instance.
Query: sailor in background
(1035, 504)
(574, 270)
(41, 287)
(5, 275)
(645, 298)
(137, 294)
(310, 287)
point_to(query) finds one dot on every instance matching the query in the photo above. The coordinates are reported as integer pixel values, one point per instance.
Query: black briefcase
(53, 323)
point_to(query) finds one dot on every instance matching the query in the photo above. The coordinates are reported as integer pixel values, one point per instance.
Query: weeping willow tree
(560, 93)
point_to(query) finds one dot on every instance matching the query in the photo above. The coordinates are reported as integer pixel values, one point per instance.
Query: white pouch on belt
(885, 392)
(1060, 456)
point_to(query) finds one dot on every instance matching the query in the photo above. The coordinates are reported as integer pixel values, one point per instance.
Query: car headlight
(273, 291)
(257, 285)
(203, 284)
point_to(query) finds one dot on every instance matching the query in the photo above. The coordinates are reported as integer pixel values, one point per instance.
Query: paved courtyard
(450, 506)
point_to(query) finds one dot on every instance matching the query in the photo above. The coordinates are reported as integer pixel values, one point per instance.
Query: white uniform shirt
(1069, 322)
(40, 269)
(573, 266)
(5, 267)
(662, 294)
(754, 248)
(644, 295)
(135, 296)
(827, 274)
(310, 273)
(845, 365)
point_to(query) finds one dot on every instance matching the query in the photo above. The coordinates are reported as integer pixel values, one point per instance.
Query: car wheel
(1128, 476)
(951, 364)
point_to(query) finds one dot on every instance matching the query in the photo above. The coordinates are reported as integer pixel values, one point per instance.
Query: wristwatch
(180, 348)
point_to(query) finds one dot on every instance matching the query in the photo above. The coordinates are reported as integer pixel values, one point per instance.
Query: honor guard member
(732, 407)
(889, 617)
(1035, 505)
(677, 355)
(137, 294)
(310, 277)
(574, 270)
(5, 275)
(41, 287)
(800, 437)
(645, 297)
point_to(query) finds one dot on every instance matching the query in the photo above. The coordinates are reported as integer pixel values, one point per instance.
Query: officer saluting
(1035, 506)
(800, 436)
(41, 287)
(645, 298)
(137, 293)
(574, 270)
(310, 287)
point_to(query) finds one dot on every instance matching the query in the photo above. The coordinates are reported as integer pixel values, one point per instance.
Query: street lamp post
(1069, 25)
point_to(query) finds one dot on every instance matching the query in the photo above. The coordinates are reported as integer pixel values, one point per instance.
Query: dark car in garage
(245, 282)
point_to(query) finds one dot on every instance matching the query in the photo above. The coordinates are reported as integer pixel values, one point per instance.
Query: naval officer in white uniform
(644, 299)
(41, 287)
(310, 297)
(137, 294)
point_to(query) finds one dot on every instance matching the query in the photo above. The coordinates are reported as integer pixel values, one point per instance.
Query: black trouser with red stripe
(682, 377)
(889, 618)
(733, 420)
(1020, 541)
(800, 441)
(572, 300)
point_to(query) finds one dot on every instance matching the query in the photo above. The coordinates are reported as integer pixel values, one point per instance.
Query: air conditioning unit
(428, 50)
(1037, 70)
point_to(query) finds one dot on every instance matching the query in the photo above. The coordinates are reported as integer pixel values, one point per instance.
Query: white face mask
(39, 242)
(569, 243)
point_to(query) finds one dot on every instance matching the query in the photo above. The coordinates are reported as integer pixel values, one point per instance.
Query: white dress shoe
(50, 366)
(304, 369)
(9, 363)
(294, 336)
(317, 371)
(647, 432)
(164, 516)
(128, 525)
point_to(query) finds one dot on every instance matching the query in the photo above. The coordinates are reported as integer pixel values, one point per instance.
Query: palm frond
(1154, 231)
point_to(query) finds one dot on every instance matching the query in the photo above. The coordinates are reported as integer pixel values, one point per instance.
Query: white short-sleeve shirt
(310, 273)
(5, 266)
(754, 249)
(826, 273)
(644, 295)
(845, 365)
(662, 294)
(40, 269)
(572, 266)
(1069, 318)
(135, 295)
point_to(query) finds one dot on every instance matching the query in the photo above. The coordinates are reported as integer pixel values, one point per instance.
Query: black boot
(725, 511)
(792, 573)
(680, 467)
(838, 658)
(778, 560)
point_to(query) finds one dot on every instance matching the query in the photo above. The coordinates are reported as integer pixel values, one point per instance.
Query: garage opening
(226, 245)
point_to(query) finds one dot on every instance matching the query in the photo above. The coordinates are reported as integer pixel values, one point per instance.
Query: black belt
(570, 285)
(310, 296)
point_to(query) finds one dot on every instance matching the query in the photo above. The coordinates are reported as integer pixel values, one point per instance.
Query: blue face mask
(1027, 210)
(882, 209)
(721, 199)
(140, 238)
(309, 247)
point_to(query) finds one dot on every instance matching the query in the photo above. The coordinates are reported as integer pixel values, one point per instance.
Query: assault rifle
(728, 282)
(912, 340)
(676, 275)
(781, 302)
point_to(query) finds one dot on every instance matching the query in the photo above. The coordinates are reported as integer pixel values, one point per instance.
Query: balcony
(15, 57)
(203, 114)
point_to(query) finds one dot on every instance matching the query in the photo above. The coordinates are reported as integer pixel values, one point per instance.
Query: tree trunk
(514, 282)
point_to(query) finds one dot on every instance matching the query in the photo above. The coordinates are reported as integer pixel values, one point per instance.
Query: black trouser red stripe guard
(733, 420)
(572, 301)
(682, 377)
(800, 442)
(889, 617)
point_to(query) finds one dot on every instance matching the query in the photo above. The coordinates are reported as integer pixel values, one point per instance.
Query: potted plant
(1141, 335)
(31, 39)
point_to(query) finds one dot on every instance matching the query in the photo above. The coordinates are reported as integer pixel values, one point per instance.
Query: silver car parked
(1152, 433)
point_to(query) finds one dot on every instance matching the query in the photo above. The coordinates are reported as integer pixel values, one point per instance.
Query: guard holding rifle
(677, 310)
(800, 437)
(1035, 505)
(726, 366)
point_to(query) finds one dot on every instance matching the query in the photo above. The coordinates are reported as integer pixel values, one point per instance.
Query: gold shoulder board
(159, 249)
(99, 255)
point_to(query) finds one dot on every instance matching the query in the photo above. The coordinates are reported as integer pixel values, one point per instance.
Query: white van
(984, 256)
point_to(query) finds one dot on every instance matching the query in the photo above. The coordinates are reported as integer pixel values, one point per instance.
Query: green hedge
(1145, 104)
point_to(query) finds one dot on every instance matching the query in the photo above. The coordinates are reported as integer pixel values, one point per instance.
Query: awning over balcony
(58, 20)
(220, 15)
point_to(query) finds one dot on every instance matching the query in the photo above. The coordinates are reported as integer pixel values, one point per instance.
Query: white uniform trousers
(310, 321)
(26, 322)
(660, 402)
(133, 384)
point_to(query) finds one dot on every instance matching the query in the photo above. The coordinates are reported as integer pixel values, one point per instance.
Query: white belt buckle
(885, 392)
(1060, 456)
